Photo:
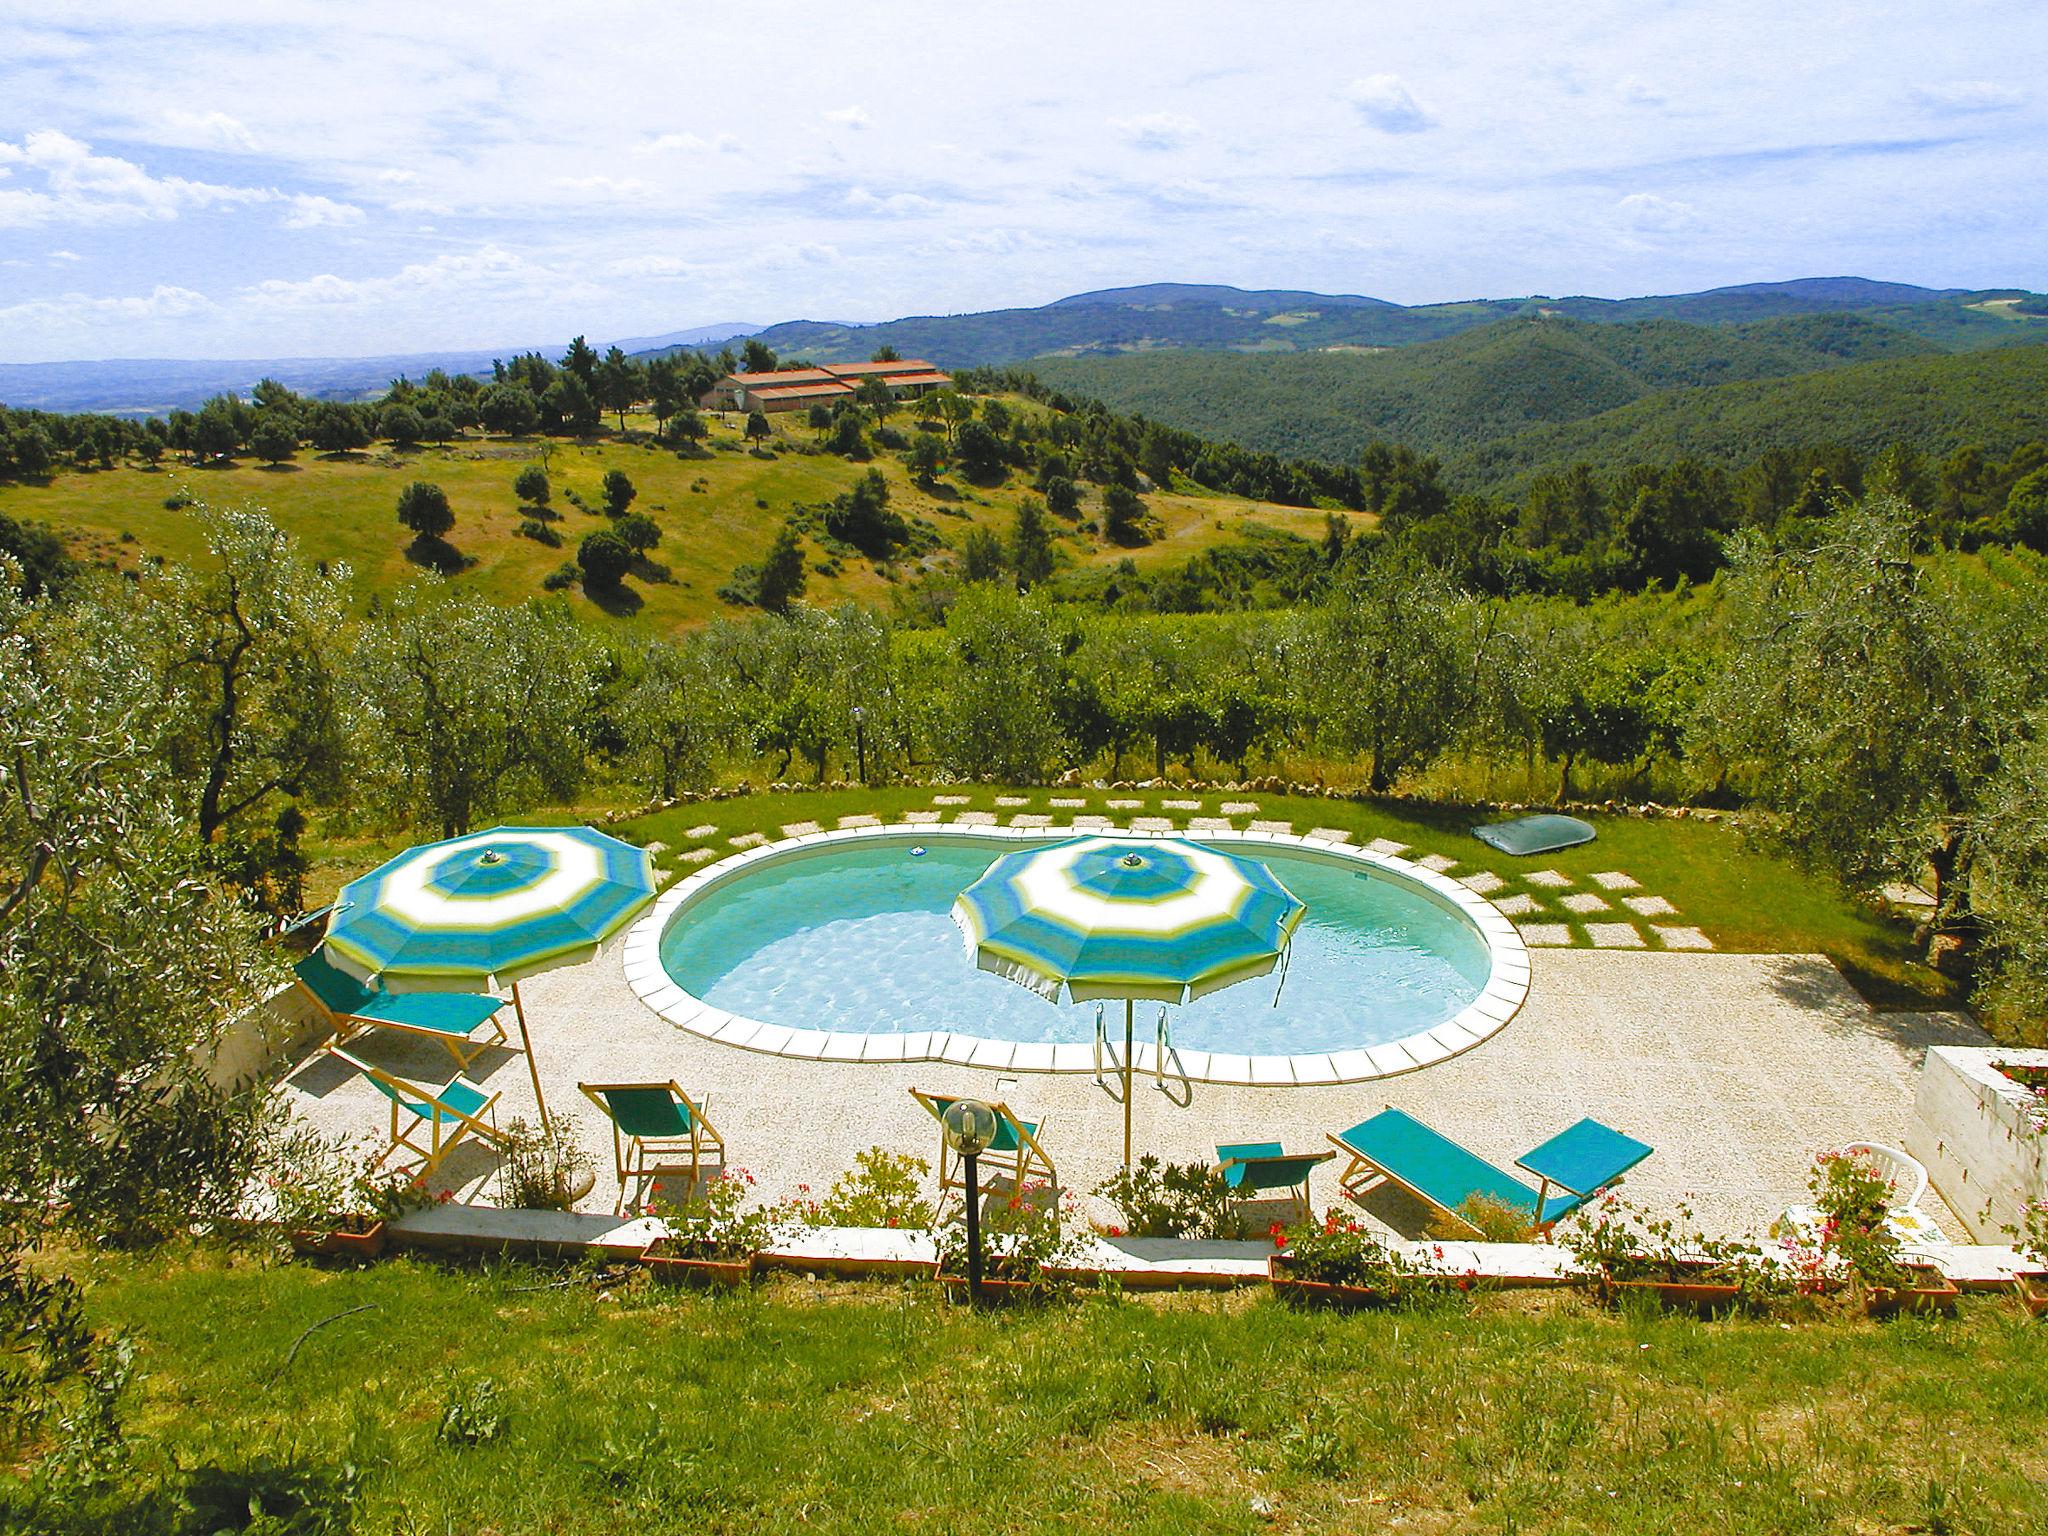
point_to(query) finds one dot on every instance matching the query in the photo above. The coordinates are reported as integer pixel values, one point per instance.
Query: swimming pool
(841, 946)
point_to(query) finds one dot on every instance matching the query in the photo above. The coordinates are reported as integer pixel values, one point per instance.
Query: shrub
(882, 1189)
(1159, 1199)
(423, 507)
(1022, 1238)
(561, 578)
(604, 558)
(532, 485)
(618, 492)
(545, 1167)
(1853, 1198)
(533, 528)
(1496, 1221)
(718, 1223)
(1339, 1251)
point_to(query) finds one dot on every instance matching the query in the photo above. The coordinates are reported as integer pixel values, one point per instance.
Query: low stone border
(1506, 989)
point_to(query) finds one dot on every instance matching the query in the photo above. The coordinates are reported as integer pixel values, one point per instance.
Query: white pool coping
(1506, 989)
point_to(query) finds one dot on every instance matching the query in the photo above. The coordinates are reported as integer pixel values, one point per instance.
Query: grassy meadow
(717, 509)
(505, 1398)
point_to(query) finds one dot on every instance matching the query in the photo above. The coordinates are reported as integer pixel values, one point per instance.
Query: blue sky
(262, 179)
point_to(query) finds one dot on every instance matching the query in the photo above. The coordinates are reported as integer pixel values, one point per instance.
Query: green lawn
(813, 1407)
(1743, 899)
(716, 511)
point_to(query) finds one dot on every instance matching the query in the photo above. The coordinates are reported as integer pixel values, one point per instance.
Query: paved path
(1737, 1068)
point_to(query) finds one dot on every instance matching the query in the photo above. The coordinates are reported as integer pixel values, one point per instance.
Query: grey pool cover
(1535, 834)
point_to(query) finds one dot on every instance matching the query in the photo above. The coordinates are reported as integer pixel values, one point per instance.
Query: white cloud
(1387, 103)
(1964, 96)
(397, 178)
(651, 266)
(1650, 214)
(1158, 130)
(663, 143)
(1187, 191)
(604, 186)
(311, 212)
(75, 311)
(64, 256)
(896, 205)
(204, 130)
(80, 187)
(850, 117)
(1638, 92)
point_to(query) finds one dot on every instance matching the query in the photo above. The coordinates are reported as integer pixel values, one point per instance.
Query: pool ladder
(1175, 1084)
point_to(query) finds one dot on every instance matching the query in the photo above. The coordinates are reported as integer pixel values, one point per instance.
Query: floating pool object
(917, 853)
(1527, 835)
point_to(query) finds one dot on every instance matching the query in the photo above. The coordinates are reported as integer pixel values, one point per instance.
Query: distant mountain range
(1181, 318)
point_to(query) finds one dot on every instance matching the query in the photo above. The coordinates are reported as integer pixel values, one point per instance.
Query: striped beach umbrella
(488, 909)
(1105, 917)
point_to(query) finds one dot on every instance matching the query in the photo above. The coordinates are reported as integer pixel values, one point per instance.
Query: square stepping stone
(950, 799)
(1615, 880)
(800, 828)
(1519, 905)
(1388, 846)
(1544, 935)
(1240, 807)
(1484, 882)
(1614, 936)
(1208, 823)
(1127, 805)
(748, 839)
(975, 819)
(707, 830)
(861, 820)
(1068, 803)
(921, 818)
(1151, 824)
(1438, 862)
(697, 856)
(654, 848)
(1549, 878)
(1648, 906)
(1329, 834)
(1009, 802)
(1092, 823)
(1180, 805)
(1681, 938)
(1583, 901)
(1272, 826)
(1030, 819)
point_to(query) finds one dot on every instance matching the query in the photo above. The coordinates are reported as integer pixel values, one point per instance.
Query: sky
(273, 179)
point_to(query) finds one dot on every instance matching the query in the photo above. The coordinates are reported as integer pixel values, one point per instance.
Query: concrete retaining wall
(278, 1031)
(1983, 1138)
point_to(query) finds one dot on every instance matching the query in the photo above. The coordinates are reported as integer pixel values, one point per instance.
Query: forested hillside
(1496, 403)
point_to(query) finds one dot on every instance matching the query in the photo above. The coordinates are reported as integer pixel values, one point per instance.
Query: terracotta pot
(1929, 1291)
(360, 1247)
(674, 1269)
(1685, 1289)
(999, 1292)
(2033, 1288)
(1322, 1293)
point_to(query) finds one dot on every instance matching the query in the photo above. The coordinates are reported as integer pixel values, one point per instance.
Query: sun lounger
(452, 1019)
(1254, 1169)
(1397, 1148)
(448, 1113)
(1015, 1150)
(656, 1129)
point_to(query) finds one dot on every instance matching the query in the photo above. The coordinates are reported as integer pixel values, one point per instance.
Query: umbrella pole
(1127, 1082)
(532, 1066)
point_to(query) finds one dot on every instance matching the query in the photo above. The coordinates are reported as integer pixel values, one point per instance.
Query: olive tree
(998, 720)
(672, 714)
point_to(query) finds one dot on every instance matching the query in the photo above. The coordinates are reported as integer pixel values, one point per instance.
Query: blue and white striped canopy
(1157, 918)
(488, 908)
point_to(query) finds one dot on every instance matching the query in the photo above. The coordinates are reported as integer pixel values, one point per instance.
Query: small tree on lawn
(782, 572)
(639, 531)
(618, 492)
(1031, 544)
(1123, 515)
(757, 428)
(532, 486)
(423, 507)
(604, 558)
(274, 439)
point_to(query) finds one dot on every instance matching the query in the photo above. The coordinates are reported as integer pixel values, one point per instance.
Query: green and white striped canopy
(1157, 918)
(488, 908)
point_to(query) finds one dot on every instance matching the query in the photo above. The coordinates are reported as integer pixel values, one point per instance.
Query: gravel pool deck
(1736, 1068)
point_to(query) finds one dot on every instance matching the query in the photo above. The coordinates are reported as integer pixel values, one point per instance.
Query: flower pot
(1928, 1290)
(1686, 1288)
(674, 1269)
(2032, 1286)
(357, 1247)
(993, 1291)
(1289, 1287)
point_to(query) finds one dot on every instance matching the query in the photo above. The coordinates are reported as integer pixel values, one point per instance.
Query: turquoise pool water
(860, 939)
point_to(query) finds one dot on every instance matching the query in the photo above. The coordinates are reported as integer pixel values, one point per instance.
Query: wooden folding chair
(448, 1113)
(656, 1129)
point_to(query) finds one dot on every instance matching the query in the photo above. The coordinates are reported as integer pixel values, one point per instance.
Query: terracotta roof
(920, 378)
(800, 391)
(901, 365)
(776, 379)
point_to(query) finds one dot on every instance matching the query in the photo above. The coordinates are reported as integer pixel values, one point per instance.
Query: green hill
(1447, 396)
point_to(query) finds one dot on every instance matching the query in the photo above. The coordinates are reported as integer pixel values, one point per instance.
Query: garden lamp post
(860, 741)
(969, 1126)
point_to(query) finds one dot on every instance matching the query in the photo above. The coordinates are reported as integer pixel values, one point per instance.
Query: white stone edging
(1506, 989)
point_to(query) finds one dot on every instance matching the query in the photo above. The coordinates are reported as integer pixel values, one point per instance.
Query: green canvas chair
(452, 1019)
(448, 1114)
(1257, 1169)
(655, 1130)
(1015, 1151)
(1393, 1147)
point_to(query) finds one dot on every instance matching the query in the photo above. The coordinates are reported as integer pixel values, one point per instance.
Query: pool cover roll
(1535, 834)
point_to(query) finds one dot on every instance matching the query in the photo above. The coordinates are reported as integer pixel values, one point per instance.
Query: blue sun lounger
(1396, 1148)
(1256, 1168)
(452, 1018)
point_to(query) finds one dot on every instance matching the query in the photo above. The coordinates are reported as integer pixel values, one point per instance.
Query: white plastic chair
(1905, 1219)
